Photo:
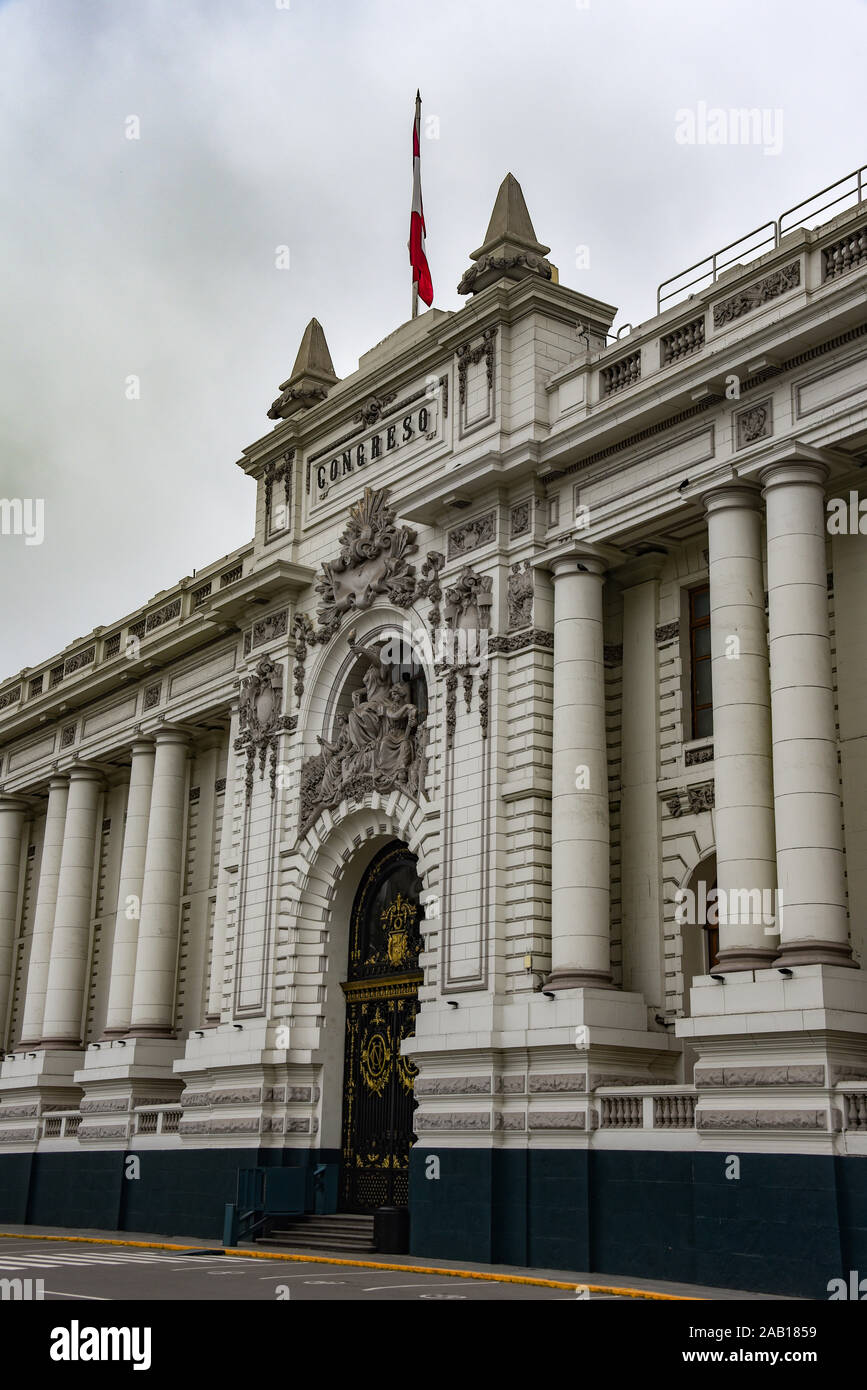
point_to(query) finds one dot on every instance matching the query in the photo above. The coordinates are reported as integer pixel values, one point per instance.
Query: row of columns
(777, 798)
(141, 999)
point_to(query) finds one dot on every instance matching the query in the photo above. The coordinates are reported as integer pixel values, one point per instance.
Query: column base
(60, 1045)
(816, 953)
(579, 979)
(744, 958)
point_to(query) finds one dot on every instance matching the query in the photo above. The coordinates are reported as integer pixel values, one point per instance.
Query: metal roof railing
(770, 233)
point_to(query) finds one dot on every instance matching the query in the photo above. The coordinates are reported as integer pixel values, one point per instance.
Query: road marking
(482, 1275)
(372, 1288)
(90, 1297)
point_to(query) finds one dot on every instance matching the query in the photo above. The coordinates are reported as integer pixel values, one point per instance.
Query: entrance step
(344, 1232)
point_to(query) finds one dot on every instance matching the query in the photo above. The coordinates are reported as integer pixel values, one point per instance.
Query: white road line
(94, 1297)
(449, 1284)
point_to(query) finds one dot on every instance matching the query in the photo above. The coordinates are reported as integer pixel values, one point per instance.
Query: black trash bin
(391, 1230)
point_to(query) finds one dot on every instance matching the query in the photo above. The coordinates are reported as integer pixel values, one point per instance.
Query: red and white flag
(417, 257)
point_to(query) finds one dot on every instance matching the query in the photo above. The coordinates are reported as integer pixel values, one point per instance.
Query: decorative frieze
(452, 1086)
(519, 641)
(78, 661)
(557, 1119)
(762, 1119)
(455, 1120)
(471, 535)
(693, 757)
(266, 630)
(753, 296)
(716, 1077)
(693, 800)
(556, 1082)
(667, 632)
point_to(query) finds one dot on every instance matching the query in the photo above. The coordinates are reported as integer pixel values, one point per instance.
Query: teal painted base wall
(788, 1225)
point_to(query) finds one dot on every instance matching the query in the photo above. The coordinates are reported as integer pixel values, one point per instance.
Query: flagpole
(418, 128)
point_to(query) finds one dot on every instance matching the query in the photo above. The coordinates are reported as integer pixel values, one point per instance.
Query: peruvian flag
(417, 257)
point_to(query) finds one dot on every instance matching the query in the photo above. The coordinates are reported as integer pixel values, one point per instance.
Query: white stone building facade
(618, 587)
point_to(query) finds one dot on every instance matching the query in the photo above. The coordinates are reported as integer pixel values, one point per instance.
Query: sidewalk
(496, 1273)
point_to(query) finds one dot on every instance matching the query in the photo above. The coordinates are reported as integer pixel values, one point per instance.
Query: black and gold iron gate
(381, 1005)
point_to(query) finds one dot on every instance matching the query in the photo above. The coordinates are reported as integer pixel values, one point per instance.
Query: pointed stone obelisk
(510, 249)
(311, 377)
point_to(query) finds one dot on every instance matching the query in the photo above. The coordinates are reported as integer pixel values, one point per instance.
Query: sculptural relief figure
(395, 750)
(378, 745)
(338, 750)
(372, 560)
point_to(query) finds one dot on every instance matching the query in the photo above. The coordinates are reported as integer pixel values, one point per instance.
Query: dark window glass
(701, 689)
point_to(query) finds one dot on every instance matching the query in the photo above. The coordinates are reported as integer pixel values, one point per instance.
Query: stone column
(580, 872)
(810, 860)
(130, 886)
(224, 881)
(46, 904)
(643, 960)
(153, 1000)
(11, 825)
(70, 942)
(743, 779)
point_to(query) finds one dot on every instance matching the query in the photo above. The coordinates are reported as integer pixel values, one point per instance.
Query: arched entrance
(381, 992)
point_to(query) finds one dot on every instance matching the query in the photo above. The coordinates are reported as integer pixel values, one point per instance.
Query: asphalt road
(72, 1273)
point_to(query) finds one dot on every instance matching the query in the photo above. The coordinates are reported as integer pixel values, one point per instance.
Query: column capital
(141, 745)
(794, 470)
(172, 733)
(732, 496)
(640, 569)
(86, 772)
(574, 556)
(11, 802)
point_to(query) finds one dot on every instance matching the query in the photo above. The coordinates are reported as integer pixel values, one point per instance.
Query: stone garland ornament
(302, 631)
(468, 356)
(378, 745)
(752, 296)
(468, 604)
(372, 562)
(276, 473)
(261, 721)
(451, 707)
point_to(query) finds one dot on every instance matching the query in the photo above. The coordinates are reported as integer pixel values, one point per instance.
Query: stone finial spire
(310, 378)
(510, 249)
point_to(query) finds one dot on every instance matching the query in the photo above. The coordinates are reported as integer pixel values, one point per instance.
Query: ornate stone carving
(302, 631)
(518, 641)
(694, 800)
(752, 296)
(152, 696)
(522, 260)
(612, 654)
(261, 721)
(468, 602)
(379, 745)
(473, 534)
(754, 424)
(266, 630)
(519, 520)
(483, 702)
(429, 584)
(694, 756)
(468, 356)
(666, 632)
(520, 595)
(372, 561)
(373, 408)
(278, 473)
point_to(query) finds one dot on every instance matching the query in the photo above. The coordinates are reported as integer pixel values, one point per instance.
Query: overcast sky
(263, 126)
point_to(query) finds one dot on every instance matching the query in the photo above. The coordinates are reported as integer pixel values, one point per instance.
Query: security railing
(769, 234)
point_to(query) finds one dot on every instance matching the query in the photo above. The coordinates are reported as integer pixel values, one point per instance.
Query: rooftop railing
(849, 191)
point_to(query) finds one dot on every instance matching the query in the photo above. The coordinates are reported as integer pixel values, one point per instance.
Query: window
(701, 690)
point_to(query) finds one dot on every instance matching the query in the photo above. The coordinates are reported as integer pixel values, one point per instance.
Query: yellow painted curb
(368, 1264)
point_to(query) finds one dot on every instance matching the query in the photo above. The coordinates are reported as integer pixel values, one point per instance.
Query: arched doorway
(381, 992)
